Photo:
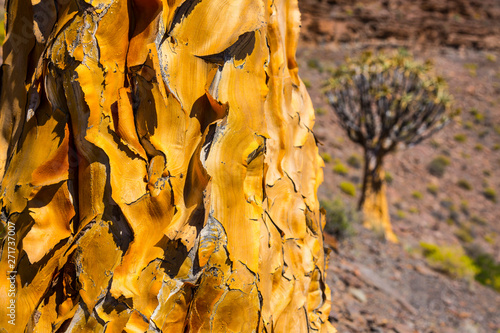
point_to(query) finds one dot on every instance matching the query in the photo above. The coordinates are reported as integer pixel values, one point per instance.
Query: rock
(351, 280)
(372, 278)
(402, 328)
(358, 294)
(331, 241)
(353, 309)
(468, 326)
(424, 270)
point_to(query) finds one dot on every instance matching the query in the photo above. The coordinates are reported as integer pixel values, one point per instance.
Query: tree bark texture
(159, 169)
(373, 200)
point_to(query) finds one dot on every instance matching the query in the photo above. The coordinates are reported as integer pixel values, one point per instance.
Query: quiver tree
(158, 169)
(382, 102)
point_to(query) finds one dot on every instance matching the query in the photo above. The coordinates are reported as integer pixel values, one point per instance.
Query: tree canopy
(382, 101)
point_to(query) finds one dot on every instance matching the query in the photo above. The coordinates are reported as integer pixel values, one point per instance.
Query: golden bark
(376, 212)
(159, 169)
(373, 201)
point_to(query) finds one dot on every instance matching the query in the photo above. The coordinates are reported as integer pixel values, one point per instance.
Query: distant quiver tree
(384, 102)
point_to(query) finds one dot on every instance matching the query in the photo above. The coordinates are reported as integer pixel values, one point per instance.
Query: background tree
(158, 169)
(381, 102)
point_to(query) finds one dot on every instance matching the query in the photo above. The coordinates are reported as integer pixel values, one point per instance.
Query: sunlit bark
(373, 200)
(159, 168)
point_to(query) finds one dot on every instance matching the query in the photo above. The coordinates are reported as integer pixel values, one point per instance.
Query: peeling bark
(159, 168)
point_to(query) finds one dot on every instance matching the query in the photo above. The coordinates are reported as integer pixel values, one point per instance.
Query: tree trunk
(159, 171)
(373, 200)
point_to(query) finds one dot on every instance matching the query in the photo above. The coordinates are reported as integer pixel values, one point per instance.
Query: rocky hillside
(454, 23)
(381, 287)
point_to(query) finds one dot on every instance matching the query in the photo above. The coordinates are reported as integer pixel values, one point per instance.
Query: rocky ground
(382, 287)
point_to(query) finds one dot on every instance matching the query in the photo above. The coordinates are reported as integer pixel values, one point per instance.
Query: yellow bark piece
(159, 168)
(376, 211)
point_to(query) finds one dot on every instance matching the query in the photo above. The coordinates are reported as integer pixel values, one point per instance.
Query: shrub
(472, 68)
(478, 147)
(314, 64)
(438, 165)
(433, 189)
(417, 195)
(496, 146)
(388, 177)
(483, 134)
(478, 116)
(339, 218)
(340, 168)
(453, 214)
(413, 210)
(490, 194)
(460, 138)
(307, 83)
(435, 144)
(491, 57)
(464, 207)
(489, 271)
(326, 157)
(320, 111)
(400, 214)
(478, 220)
(450, 260)
(490, 238)
(464, 184)
(468, 125)
(355, 161)
(348, 188)
(447, 203)
(464, 234)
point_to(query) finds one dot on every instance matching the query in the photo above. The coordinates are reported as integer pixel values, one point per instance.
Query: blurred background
(443, 194)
